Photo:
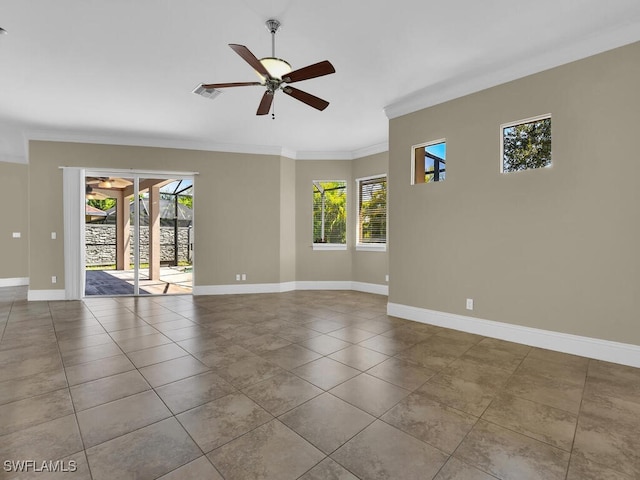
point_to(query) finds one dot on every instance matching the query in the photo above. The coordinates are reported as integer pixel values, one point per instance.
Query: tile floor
(299, 385)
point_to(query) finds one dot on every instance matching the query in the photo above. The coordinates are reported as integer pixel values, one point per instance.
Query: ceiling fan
(108, 182)
(276, 74)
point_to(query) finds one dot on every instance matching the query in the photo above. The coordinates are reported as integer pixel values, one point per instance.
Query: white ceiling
(122, 71)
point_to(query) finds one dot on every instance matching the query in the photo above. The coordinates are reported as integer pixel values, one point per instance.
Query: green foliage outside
(335, 213)
(527, 146)
(104, 205)
(373, 215)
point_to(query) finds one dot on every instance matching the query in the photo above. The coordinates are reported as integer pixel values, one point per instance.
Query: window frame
(331, 246)
(516, 123)
(413, 159)
(371, 247)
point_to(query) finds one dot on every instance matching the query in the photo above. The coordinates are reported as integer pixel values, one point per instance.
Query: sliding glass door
(138, 234)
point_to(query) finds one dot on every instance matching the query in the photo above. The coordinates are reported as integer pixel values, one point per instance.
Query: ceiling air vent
(209, 93)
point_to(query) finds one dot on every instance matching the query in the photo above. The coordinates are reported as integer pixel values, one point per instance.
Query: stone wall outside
(100, 241)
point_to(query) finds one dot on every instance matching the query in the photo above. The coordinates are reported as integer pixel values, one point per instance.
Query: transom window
(372, 212)
(429, 162)
(330, 213)
(526, 144)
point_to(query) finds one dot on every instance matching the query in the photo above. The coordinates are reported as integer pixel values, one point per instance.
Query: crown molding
(4, 158)
(498, 74)
(72, 137)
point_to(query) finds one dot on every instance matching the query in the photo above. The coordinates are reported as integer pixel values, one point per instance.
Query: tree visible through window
(372, 210)
(526, 145)
(330, 212)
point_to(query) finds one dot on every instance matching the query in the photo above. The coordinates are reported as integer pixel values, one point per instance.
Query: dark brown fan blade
(312, 71)
(265, 103)
(307, 98)
(225, 85)
(250, 58)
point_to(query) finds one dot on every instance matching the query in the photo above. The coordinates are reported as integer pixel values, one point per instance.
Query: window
(429, 162)
(372, 213)
(330, 215)
(526, 144)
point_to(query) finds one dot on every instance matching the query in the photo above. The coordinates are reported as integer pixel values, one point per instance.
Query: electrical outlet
(54, 279)
(54, 235)
(386, 278)
(16, 234)
(237, 277)
(469, 303)
(244, 277)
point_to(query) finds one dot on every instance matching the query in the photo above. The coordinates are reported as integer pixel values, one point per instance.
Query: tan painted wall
(234, 232)
(287, 220)
(553, 248)
(370, 267)
(14, 259)
(314, 265)
(318, 265)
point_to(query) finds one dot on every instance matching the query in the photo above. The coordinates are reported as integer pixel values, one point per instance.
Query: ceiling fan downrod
(273, 26)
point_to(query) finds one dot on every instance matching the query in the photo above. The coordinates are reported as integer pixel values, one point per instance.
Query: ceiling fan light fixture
(276, 67)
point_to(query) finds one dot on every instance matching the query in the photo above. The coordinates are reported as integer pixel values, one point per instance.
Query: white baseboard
(46, 295)
(622, 353)
(370, 288)
(326, 285)
(14, 282)
(288, 287)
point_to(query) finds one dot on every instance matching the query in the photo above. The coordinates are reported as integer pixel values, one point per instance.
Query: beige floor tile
(172, 370)
(107, 389)
(220, 421)
(84, 342)
(98, 369)
(291, 356)
(89, 354)
(552, 391)
(199, 469)
(328, 470)
(581, 468)
(264, 343)
(369, 393)
(220, 357)
(110, 420)
(281, 393)
(358, 357)
(547, 424)
(532, 400)
(511, 456)
(326, 373)
(386, 345)
(248, 371)
(34, 410)
(402, 373)
(326, 421)
(194, 391)
(145, 341)
(434, 423)
(325, 344)
(454, 469)
(25, 387)
(352, 334)
(382, 451)
(51, 440)
(161, 353)
(271, 451)
(121, 335)
(146, 453)
(613, 444)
